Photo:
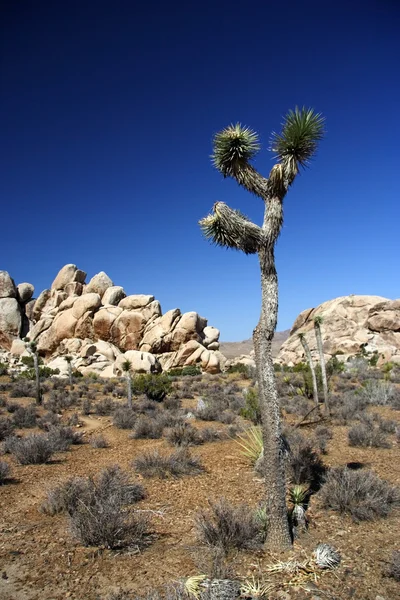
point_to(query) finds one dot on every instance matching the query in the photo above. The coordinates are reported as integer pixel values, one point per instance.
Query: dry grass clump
(25, 417)
(124, 418)
(34, 449)
(99, 441)
(227, 527)
(62, 438)
(361, 494)
(6, 428)
(177, 464)
(97, 509)
(22, 388)
(147, 427)
(393, 569)
(367, 436)
(184, 434)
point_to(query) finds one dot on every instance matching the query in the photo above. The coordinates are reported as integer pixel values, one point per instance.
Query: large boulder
(127, 330)
(136, 301)
(99, 284)
(10, 321)
(350, 323)
(104, 320)
(88, 302)
(155, 335)
(141, 362)
(24, 292)
(68, 274)
(7, 286)
(113, 295)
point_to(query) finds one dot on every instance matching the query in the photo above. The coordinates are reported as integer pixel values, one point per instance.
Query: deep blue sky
(107, 115)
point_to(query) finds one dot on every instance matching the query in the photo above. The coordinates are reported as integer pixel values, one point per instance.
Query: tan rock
(63, 327)
(346, 326)
(67, 303)
(40, 303)
(24, 292)
(68, 274)
(7, 286)
(74, 288)
(142, 362)
(84, 326)
(103, 322)
(113, 295)
(86, 303)
(135, 301)
(99, 284)
(211, 336)
(189, 327)
(127, 330)
(18, 347)
(156, 332)
(10, 321)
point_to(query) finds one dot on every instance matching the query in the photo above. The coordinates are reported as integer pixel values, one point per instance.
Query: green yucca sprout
(234, 146)
(251, 442)
(298, 494)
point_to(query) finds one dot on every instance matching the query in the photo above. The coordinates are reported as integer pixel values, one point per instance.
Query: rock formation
(100, 326)
(351, 324)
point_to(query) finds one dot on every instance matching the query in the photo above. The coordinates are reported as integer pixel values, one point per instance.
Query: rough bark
(312, 369)
(129, 389)
(37, 378)
(279, 536)
(318, 337)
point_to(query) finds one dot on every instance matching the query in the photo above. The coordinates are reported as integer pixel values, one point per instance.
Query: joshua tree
(69, 362)
(311, 365)
(32, 349)
(317, 328)
(126, 367)
(234, 148)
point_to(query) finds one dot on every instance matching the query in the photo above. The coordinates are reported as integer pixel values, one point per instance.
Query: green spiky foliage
(302, 129)
(231, 229)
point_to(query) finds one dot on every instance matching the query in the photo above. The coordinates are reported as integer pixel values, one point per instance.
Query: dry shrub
(61, 438)
(105, 407)
(23, 388)
(393, 569)
(25, 417)
(227, 527)
(5, 471)
(148, 428)
(361, 494)
(34, 449)
(99, 441)
(365, 436)
(177, 464)
(6, 428)
(184, 434)
(96, 507)
(304, 464)
(124, 418)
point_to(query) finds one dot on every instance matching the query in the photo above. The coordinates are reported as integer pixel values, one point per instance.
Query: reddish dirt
(39, 558)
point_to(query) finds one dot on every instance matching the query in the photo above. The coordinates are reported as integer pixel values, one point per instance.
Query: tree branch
(229, 228)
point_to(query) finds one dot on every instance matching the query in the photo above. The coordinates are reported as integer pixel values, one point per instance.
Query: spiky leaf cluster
(302, 129)
(234, 147)
(231, 229)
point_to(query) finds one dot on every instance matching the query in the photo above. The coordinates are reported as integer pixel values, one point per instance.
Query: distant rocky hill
(100, 327)
(235, 349)
(351, 324)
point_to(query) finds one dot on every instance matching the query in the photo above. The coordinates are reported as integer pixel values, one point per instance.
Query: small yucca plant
(326, 556)
(254, 588)
(251, 442)
(193, 585)
(298, 497)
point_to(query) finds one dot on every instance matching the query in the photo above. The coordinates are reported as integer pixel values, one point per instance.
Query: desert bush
(190, 371)
(11, 407)
(33, 449)
(62, 438)
(181, 462)
(60, 400)
(172, 403)
(124, 418)
(6, 428)
(376, 392)
(209, 434)
(96, 509)
(22, 388)
(228, 527)
(251, 409)
(99, 441)
(73, 420)
(393, 569)
(109, 387)
(49, 419)
(184, 434)
(155, 387)
(5, 471)
(147, 428)
(361, 494)
(86, 407)
(347, 407)
(25, 417)
(105, 407)
(322, 435)
(3, 369)
(367, 436)
(395, 398)
(240, 368)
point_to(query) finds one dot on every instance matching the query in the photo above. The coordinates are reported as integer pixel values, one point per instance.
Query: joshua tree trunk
(129, 389)
(311, 365)
(70, 374)
(318, 336)
(274, 471)
(37, 377)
